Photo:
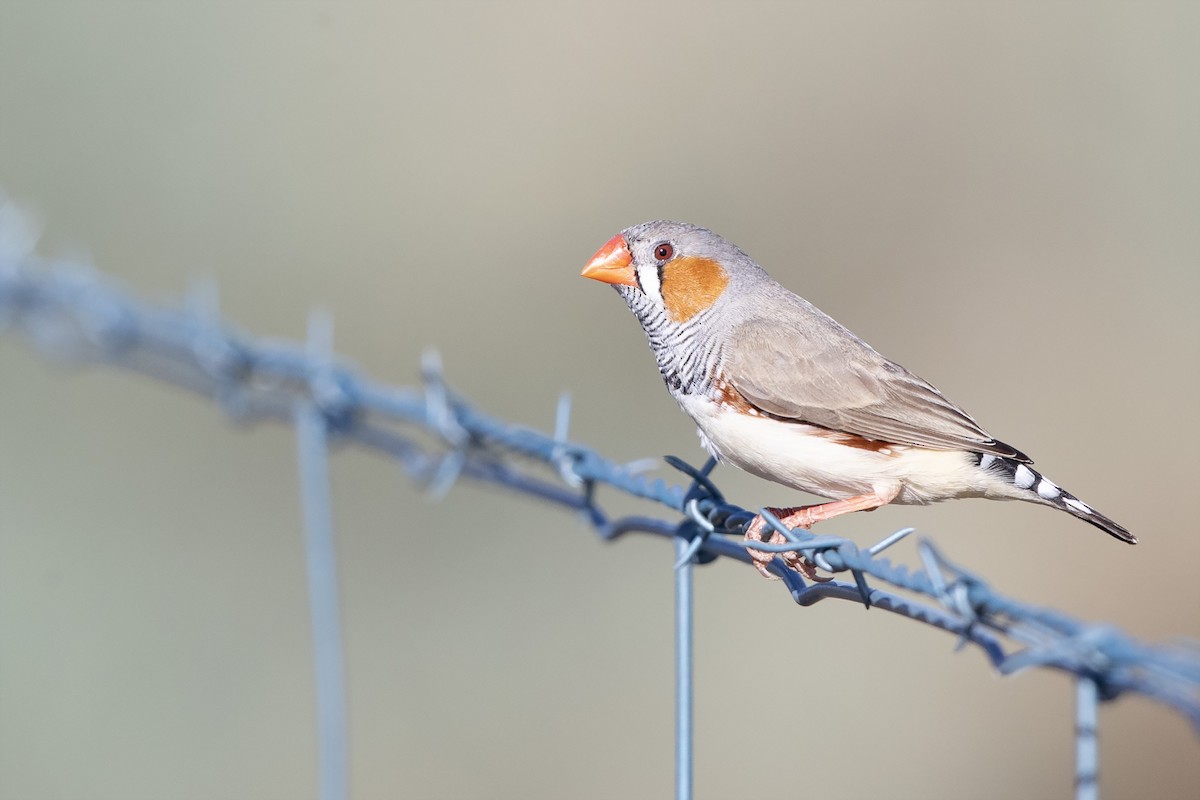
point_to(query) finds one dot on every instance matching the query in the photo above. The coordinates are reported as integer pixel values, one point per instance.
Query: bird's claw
(792, 560)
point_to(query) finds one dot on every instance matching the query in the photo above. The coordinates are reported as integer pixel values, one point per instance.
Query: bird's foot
(801, 517)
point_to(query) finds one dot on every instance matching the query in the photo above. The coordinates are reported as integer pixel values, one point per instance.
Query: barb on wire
(64, 310)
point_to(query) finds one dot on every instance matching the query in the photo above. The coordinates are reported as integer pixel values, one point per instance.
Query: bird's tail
(1040, 489)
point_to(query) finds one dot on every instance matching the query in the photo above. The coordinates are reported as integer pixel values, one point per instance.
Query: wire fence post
(312, 441)
(683, 671)
(1087, 754)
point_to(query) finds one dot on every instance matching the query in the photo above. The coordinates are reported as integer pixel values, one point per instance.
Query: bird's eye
(664, 251)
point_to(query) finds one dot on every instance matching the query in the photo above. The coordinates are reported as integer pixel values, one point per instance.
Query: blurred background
(1003, 197)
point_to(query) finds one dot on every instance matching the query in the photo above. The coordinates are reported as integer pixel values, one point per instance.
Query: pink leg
(806, 517)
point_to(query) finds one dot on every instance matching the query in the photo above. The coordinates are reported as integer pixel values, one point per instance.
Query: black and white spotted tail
(1043, 490)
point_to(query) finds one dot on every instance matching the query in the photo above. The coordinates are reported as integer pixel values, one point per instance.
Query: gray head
(674, 270)
(688, 287)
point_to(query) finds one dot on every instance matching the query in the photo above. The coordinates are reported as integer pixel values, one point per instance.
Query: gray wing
(826, 376)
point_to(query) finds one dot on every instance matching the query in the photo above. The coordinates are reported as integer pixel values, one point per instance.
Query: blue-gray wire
(68, 311)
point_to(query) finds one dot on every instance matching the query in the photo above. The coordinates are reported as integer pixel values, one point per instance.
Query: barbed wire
(69, 311)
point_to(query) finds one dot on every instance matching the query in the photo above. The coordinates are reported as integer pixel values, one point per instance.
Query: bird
(781, 390)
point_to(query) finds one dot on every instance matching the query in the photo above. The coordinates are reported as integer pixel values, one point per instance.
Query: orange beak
(612, 263)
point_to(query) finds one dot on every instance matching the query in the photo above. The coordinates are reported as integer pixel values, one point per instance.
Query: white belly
(805, 458)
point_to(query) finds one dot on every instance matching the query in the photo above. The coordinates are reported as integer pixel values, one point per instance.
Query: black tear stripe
(1042, 489)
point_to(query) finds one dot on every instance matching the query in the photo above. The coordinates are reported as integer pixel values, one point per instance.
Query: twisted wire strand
(70, 312)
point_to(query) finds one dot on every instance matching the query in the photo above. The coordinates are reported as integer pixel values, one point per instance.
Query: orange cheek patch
(691, 284)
